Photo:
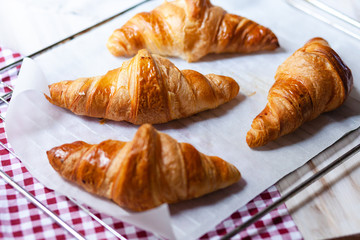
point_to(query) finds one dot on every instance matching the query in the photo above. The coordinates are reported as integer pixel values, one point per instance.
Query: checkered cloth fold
(20, 219)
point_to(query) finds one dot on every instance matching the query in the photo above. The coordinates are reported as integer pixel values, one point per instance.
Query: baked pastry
(144, 173)
(146, 89)
(190, 29)
(311, 81)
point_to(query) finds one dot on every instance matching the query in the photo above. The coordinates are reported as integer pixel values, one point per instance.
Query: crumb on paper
(251, 94)
(102, 121)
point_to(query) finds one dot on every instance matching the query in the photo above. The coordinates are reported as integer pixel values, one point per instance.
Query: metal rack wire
(5, 98)
(329, 15)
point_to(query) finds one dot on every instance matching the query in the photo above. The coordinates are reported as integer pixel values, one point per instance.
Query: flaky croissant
(146, 172)
(311, 81)
(146, 89)
(190, 29)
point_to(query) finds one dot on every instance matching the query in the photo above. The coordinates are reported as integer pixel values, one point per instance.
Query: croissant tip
(57, 155)
(48, 98)
(116, 50)
(54, 158)
(260, 133)
(250, 139)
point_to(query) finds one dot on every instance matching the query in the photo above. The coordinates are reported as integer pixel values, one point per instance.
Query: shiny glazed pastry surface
(146, 172)
(311, 81)
(190, 29)
(146, 89)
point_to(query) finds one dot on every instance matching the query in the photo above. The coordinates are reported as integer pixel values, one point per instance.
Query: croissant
(146, 89)
(311, 81)
(146, 172)
(190, 29)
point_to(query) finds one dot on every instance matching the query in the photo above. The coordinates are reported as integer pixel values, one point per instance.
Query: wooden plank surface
(330, 207)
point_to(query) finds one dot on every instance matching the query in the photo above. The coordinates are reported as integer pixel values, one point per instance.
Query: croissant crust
(311, 81)
(150, 170)
(146, 89)
(190, 29)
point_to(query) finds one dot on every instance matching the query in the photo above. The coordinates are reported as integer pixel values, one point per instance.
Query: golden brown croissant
(190, 29)
(146, 172)
(311, 81)
(145, 89)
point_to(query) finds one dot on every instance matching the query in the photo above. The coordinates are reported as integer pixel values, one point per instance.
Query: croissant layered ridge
(312, 81)
(190, 29)
(145, 89)
(144, 173)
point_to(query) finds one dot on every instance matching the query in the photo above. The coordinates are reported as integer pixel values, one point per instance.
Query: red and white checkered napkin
(20, 219)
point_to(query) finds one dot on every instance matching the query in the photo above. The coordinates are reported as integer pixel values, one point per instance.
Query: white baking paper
(34, 126)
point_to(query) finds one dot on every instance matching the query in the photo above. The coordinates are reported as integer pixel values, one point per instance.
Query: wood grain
(329, 207)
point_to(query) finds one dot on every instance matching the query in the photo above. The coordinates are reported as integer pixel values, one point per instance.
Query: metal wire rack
(329, 15)
(5, 98)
